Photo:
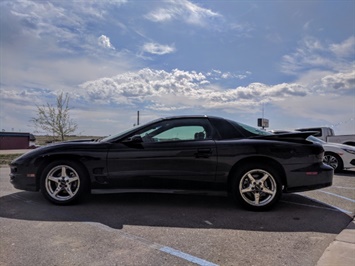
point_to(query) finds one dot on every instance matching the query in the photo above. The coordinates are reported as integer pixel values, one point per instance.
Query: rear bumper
(312, 177)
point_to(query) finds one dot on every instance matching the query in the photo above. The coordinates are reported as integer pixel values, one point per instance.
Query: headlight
(350, 151)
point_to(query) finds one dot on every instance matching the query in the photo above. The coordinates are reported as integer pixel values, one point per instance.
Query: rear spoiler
(291, 136)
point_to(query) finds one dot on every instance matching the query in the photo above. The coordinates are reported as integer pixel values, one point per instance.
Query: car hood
(69, 143)
(58, 146)
(338, 145)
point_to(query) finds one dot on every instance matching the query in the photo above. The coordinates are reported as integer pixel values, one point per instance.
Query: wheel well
(44, 161)
(258, 159)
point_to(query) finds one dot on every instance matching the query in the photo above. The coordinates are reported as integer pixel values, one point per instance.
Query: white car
(338, 156)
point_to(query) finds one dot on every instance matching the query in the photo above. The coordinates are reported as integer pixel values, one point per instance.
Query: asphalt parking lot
(169, 229)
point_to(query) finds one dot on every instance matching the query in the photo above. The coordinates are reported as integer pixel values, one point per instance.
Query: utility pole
(137, 118)
(263, 122)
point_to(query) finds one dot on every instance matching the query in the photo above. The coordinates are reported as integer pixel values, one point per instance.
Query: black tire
(333, 160)
(64, 182)
(256, 187)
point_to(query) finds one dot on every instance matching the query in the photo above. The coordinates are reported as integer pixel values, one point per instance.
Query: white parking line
(336, 195)
(332, 207)
(343, 187)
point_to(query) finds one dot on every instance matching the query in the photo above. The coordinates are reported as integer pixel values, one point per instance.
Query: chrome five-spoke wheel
(257, 186)
(64, 182)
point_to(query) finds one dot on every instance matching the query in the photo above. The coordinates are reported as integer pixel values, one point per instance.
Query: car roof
(189, 116)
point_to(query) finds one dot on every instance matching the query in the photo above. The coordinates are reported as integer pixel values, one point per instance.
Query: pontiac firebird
(196, 153)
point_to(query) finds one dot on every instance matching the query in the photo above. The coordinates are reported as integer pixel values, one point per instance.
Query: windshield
(115, 136)
(108, 138)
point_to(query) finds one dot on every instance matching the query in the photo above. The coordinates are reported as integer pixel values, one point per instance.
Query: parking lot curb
(342, 250)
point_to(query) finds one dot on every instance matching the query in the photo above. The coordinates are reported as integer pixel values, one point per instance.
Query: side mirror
(134, 139)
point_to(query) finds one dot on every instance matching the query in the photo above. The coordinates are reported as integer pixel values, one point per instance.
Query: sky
(291, 62)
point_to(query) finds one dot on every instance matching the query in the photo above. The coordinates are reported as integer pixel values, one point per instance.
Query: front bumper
(23, 178)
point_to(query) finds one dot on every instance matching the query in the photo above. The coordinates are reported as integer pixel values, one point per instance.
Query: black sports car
(178, 153)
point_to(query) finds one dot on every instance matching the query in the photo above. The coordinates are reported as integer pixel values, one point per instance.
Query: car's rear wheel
(256, 187)
(64, 182)
(334, 161)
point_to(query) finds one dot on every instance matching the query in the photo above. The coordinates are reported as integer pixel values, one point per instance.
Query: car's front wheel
(64, 182)
(256, 187)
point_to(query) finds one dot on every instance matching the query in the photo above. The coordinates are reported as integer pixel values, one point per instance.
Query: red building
(15, 140)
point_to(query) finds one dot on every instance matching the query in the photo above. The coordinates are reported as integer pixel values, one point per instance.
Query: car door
(175, 149)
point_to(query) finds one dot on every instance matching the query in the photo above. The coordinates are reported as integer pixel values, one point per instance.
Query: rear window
(229, 129)
(249, 131)
(225, 129)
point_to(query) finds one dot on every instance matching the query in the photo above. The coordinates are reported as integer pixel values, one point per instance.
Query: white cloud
(339, 81)
(243, 30)
(48, 45)
(314, 55)
(104, 42)
(218, 74)
(344, 49)
(160, 92)
(61, 27)
(182, 10)
(178, 89)
(159, 49)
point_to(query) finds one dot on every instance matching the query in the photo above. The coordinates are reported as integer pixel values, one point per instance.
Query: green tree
(55, 119)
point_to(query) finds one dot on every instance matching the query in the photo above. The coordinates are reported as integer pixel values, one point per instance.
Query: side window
(177, 130)
(182, 133)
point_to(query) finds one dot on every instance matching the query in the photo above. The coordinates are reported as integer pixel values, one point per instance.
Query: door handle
(203, 153)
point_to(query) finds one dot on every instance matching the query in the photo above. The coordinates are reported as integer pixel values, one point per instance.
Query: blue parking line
(336, 195)
(187, 257)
